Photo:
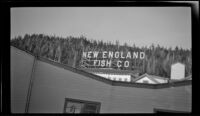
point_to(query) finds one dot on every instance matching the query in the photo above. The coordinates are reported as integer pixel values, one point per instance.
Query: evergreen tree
(69, 50)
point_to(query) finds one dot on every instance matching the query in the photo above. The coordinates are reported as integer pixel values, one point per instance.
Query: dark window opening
(125, 79)
(81, 106)
(168, 111)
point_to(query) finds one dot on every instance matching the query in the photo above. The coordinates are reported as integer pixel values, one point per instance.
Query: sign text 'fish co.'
(110, 58)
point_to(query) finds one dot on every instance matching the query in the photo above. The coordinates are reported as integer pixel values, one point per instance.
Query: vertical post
(30, 86)
(31, 81)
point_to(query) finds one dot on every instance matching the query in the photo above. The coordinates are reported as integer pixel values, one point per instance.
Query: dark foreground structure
(39, 85)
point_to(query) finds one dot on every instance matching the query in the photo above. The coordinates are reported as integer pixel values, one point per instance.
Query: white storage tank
(177, 71)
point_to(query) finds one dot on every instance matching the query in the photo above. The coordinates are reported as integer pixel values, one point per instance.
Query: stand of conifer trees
(68, 51)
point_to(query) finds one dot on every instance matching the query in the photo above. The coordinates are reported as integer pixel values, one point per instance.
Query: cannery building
(39, 85)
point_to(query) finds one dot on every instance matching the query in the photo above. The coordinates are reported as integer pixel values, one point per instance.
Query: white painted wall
(116, 77)
(177, 71)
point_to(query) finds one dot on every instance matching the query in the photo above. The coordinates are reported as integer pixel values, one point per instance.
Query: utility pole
(31, 81)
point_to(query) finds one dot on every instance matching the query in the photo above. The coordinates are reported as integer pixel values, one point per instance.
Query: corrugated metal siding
(174, 98)
(53, 84)
(21, 68)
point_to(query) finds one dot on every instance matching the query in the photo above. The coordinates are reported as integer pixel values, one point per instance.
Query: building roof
(109, 71)
(177, 63)
(151, 77)
(111, 82)
(186, 78)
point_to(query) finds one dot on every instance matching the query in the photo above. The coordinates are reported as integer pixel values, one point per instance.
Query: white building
(150, 79)
(116, 77)
(177, 71)
(112, 74)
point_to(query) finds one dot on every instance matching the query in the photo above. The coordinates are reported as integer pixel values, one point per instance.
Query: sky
(142, 26)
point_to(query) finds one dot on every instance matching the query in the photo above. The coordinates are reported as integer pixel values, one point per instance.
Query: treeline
(69, 50)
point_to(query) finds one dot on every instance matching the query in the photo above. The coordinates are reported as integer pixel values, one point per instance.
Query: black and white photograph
(101, 59)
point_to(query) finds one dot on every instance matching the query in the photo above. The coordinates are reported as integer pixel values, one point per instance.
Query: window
(120, 79)
(81, 106)
(145, 81)
(125, 79)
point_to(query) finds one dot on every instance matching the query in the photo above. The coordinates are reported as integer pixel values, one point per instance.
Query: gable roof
(151, 77)
(108, 81)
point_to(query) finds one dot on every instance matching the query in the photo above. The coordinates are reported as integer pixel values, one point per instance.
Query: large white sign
(106, 58)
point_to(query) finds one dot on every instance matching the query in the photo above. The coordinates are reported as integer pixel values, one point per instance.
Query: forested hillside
(69, 51)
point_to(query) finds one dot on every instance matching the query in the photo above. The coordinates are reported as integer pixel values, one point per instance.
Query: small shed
(177, 71)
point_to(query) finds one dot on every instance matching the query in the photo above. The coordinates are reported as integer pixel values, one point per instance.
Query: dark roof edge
(107, 81)
(116, 83)
(23, 50)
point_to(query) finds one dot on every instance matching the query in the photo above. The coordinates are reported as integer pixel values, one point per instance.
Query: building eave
(110, 82)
